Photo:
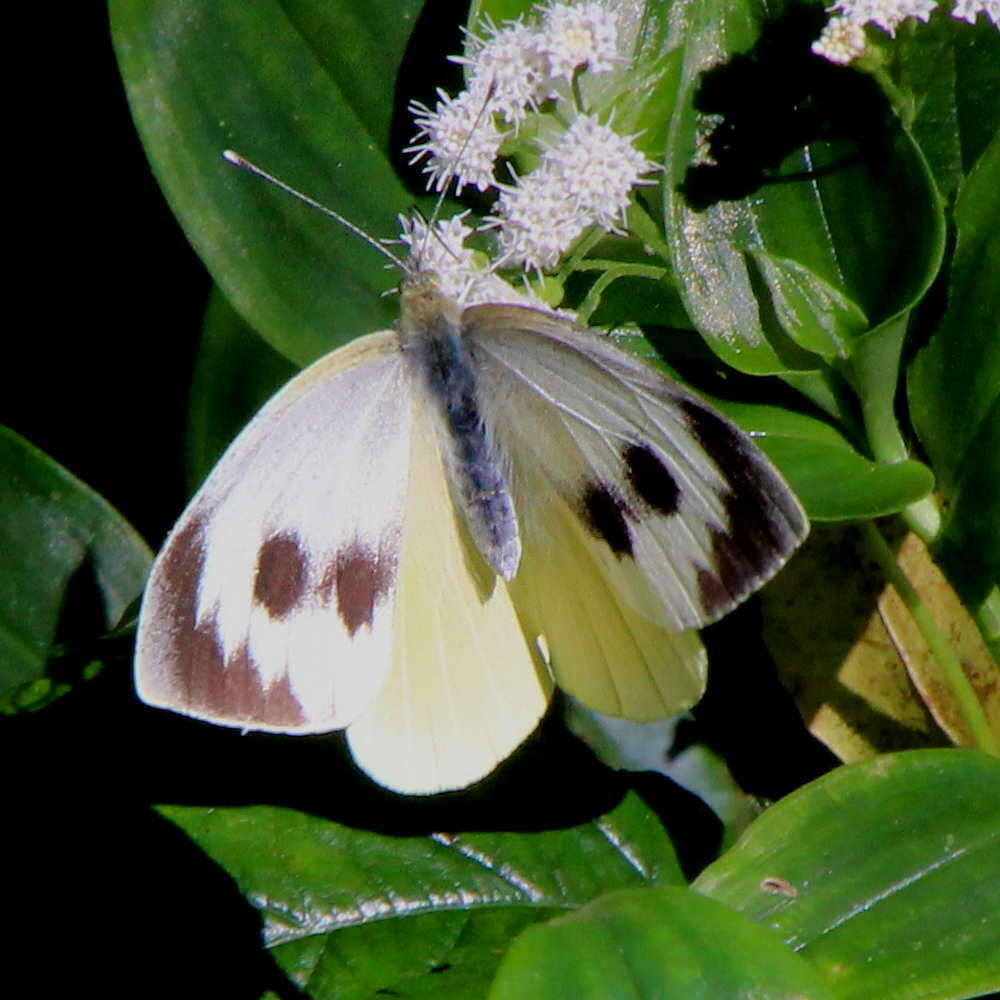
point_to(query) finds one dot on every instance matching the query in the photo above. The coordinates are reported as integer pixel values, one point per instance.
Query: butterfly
(430, 527)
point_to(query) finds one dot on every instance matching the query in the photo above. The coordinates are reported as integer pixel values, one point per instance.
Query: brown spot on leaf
(778, 886)
(282, 572)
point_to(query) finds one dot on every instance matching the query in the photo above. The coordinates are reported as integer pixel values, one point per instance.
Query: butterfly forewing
(271, 604)
(680, 510)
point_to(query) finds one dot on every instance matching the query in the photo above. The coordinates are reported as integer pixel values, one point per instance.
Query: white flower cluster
(511, 71)
(584, 177)
(843, 39)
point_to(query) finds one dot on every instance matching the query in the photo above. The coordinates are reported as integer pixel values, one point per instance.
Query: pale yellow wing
(464, 687)
(602, 651)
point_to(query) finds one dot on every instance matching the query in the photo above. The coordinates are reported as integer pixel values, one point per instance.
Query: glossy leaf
(890, 872)
(646, 944)
(352, 912)
(71, 566)
(301, 89)
(841, 216)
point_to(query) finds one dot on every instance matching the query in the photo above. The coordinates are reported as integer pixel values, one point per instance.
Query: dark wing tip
(766, 523)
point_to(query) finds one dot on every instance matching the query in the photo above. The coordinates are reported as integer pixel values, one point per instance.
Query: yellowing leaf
(825, 631)
(925, 671)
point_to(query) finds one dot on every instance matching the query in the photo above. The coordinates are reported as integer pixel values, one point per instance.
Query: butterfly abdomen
(430, 333)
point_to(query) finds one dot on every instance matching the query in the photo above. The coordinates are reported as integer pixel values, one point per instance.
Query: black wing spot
(605, 516)
(764, 522)
(282, 572)
(360, 579)
(651, 479)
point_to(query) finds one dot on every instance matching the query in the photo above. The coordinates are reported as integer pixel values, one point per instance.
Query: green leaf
(882, 874)
(954, 384)
(304, 90)
(955, 380)
(947, 90)
(644, 944)
(781, 248)
(968, 546)
(816, 315)
(352, 912)
(71, 566)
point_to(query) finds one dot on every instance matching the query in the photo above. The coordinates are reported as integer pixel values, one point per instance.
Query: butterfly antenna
(241, 161)
(449, 176)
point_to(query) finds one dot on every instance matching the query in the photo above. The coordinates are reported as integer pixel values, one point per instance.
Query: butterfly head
(425, 305)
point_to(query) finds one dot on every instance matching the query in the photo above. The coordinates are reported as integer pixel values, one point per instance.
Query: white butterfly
(429, 527)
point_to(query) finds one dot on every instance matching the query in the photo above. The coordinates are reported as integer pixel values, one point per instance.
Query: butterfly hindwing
(270, 606)
(465, 686)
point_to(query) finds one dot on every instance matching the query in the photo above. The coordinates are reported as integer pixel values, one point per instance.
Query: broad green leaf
(304, 89)
(954, 387)
(883, 875)
(955, 380)
(837, 484)
(359, 912)
(647, 944)
(70, 567)
(816, 315)
(847, 213)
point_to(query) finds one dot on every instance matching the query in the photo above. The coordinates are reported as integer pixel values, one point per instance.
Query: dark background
(110, 292)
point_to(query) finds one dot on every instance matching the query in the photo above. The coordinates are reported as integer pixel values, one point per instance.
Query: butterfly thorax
(430, 334)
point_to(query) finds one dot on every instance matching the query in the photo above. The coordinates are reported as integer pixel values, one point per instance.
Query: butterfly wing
(322, 579)
(465, 687)
(271, 604)
(643, 513)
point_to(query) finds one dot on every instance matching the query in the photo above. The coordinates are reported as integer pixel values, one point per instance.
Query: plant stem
(612, 271)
